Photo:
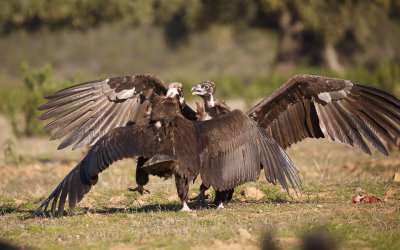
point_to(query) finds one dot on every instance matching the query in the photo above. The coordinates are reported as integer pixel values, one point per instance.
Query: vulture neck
(209, 101)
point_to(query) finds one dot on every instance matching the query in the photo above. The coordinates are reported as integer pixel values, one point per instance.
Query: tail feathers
(74, 185)
(277, 164)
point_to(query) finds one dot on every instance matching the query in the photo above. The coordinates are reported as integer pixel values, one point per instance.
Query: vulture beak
(197, 90)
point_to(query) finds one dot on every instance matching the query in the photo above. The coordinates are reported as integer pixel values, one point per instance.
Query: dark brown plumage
(323, 107)
(336, 109)
(168, 143)
(207, 110)
(320, 107)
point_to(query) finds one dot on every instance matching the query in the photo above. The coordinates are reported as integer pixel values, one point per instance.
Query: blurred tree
(312, 32)
(21, 108)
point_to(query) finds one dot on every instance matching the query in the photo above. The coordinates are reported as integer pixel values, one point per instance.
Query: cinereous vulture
(309, 106)
(139, 116)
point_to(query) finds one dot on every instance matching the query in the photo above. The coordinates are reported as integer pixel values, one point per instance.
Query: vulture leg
(185, 207)
(201, 197)
(142, 177)
(221, 206)
(182, 186)
(140, 189)
(230, 194)
(222, 197)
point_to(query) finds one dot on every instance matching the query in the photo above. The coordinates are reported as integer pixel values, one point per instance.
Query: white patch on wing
(336, 95)
(325, 96)
(158, 124)
(125, 94)
(343, 93)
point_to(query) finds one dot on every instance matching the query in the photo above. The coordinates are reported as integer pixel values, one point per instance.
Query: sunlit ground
(112, 217)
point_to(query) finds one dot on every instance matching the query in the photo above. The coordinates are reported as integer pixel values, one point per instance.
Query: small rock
(396, 177)
(389, 194)
(252, 193)
(117, 199)
(217, 242)
(19, 202)
(244, 234)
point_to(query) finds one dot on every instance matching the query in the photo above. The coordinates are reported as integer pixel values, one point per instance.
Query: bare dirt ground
(110, 217)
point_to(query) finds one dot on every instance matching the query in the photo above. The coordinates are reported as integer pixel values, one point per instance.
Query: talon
(201, 197)
(221, 206)
(139, 189)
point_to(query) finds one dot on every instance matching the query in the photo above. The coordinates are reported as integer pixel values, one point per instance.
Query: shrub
(21, 103)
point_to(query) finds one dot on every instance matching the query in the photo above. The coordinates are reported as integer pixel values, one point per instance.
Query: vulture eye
(206, 87)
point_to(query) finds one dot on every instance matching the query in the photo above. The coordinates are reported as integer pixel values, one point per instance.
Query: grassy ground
(110, 217)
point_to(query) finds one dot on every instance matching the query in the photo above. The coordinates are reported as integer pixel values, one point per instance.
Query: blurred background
(248, 47)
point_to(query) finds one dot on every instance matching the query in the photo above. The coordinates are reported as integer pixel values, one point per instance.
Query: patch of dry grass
(110, 217)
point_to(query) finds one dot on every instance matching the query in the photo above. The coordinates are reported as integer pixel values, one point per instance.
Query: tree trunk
(331, 59)
(290, 42)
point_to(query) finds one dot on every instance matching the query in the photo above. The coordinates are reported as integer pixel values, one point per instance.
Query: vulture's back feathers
(233, 148)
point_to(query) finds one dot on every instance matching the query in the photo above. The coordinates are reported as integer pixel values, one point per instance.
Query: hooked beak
(197, 90)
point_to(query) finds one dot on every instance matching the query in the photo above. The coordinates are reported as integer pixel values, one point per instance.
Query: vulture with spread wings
(139, 116)
(309, 106)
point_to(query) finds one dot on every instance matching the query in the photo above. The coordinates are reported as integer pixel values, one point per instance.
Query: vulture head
(205, 90)
(175, 90)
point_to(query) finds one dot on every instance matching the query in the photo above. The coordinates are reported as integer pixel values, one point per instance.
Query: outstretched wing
(142, 139)
(336, 109)
(233, 150)
(92, 109)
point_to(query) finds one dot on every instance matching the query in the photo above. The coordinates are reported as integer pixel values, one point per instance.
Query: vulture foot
(221, 206)
(185, 208)
(139, 189)
(201, 197)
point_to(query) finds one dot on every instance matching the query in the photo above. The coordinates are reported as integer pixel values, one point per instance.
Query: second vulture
(139, 116)
(309, 106)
